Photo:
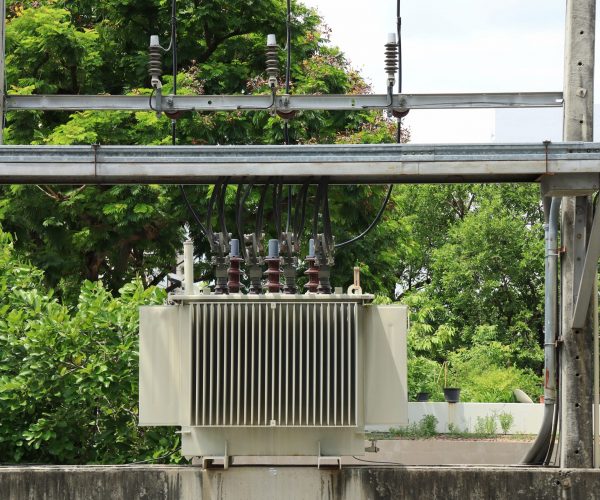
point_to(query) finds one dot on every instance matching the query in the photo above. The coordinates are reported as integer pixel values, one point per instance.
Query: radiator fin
(259, 364)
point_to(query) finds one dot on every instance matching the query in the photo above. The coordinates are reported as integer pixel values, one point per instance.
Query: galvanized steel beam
(342, 164)
(283, 102)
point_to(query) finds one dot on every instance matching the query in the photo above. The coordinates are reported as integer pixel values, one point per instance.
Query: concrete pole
(576, 350)
(2, 65)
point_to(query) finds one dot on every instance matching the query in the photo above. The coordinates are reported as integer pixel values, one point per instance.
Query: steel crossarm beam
(588, 275)
(340, 164)
(283, 102)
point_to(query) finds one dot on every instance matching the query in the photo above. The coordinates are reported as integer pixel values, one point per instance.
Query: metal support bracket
(158, 101)
(572, 184)
(330, 462)
(215, 462)
(585, 284)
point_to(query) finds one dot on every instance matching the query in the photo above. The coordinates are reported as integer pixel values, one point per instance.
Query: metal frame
(285, 103)
(341, 164)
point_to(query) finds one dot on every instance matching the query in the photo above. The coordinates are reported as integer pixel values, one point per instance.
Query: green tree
(68, 376)
(84, 47)
(480, 285)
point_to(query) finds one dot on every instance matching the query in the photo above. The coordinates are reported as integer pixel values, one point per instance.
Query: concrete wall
(297, 483)
(527, 417)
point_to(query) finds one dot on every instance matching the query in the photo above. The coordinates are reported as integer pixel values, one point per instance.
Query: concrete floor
(419, 452)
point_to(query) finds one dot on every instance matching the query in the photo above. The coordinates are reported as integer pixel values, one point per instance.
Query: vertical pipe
(538, 451)
(551, 309)
(301, 369)
(596, 373)
(188, 267)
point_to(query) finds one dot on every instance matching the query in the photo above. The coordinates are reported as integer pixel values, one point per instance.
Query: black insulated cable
(192, 210)
(221, 208)
(288, 66)
(277, 199)
(260, 211)
(373, 224)
(398, 133)
(173, 48)
(300, 211)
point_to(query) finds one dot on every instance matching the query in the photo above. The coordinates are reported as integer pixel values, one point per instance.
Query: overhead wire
(277, 198)
(373, 223)
(390, 190)
(173, 48)
(286, 129)
(260, 210)
(240, 202)
(221, 208)
(300, 211)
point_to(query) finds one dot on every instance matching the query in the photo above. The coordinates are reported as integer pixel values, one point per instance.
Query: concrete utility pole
(576, 360)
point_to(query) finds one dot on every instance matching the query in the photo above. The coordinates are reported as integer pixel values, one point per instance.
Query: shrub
(485, 374)
(425, 428)
(486, 426)
(423, 376)
(428, 425)
(506, 421)
(69, 378)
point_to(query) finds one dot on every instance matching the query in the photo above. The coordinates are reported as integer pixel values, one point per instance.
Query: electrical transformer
(272, 374)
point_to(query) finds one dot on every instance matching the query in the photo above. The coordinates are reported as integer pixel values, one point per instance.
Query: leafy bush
(486, 426)
(69, 377)
(425, 428)
(485, 374)
(428, 425)
(423, 376)
(506, 421)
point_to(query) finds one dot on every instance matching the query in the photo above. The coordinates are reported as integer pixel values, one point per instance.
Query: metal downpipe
(538, 451)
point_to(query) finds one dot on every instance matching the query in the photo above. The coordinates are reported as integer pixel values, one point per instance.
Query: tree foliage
(68, 377)
(480, 286)
(101, 47)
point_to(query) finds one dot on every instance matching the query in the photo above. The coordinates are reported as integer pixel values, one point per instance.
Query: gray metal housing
(273, 374)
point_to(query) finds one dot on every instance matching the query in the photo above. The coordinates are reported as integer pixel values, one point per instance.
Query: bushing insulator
(234, 274)
(313, 275)
(273, 274)
(391, 58)
(155, 62)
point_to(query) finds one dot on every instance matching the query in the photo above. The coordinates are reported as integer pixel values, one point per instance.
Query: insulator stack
(234, 272)
(391, 59)
(313, 270)
(272, 60)
(155, 60)
(273, 272)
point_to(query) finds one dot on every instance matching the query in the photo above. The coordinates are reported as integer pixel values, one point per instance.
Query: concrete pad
(418, 452)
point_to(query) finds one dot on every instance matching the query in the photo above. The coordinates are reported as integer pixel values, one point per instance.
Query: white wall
(527, 416)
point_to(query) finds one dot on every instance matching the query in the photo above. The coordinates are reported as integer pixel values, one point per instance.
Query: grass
(403, 434)
(485, 429)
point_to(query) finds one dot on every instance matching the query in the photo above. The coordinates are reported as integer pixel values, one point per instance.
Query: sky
(460, 46)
